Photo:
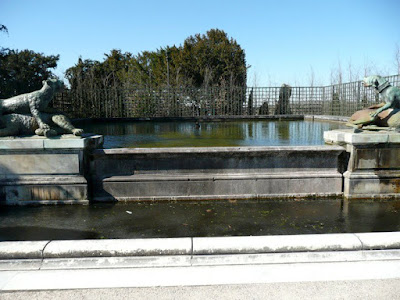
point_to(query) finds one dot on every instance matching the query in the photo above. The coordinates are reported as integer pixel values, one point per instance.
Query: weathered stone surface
(379, 240)
(131, 187)
(49, 192)
(66, 141)
(22, 250)
(20, 143)
(271, 244)
(39, 163)
(132, 174)
(43, 170)
(372, 185)
(69, 141)
(374, 167)
(113, 262)
(120, 247)
(20, 264)
(224, 160)
(347, 136)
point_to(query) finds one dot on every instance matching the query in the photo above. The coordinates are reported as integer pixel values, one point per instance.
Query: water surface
(211, 134)
(202, 218)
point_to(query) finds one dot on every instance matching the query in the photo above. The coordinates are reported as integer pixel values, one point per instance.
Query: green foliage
(23, 71)
(94, 75)
(213, 59)
(204, 60)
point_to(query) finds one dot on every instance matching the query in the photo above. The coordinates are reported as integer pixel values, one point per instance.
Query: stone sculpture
(19, 124)
(26, 113)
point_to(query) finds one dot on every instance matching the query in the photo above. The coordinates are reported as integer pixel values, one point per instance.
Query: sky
(300, 43)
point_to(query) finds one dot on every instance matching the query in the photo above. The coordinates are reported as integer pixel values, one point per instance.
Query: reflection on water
(202, 218)
(209, 134)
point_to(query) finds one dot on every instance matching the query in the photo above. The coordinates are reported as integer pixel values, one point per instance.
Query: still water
(211, 134)
(202, 218)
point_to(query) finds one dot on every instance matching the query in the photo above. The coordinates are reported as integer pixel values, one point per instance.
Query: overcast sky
(292, 42)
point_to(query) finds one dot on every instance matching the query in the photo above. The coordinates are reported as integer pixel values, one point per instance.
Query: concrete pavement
(361, 289)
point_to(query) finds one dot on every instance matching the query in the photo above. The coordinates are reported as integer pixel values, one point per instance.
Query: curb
(197, 246)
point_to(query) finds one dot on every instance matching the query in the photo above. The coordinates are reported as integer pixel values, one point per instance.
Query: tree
(24, 71)
(213, 59)
(92, 74)
(3, 29)
(204, 60)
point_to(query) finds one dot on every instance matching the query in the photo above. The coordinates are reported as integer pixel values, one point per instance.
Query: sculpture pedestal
(45, 170)
(373, 170)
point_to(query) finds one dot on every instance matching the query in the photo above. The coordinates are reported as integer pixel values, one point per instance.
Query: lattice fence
(340, 100)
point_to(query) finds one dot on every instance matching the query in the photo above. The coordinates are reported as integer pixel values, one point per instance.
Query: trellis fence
(340, 100)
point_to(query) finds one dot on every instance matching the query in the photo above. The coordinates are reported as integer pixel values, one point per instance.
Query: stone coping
(194, 246)
(193, 119)
(219, 118)
(347, 136)
(222, 150)
(66, 141)
(326, 118)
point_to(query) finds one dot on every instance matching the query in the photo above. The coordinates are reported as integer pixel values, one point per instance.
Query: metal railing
(341, 100)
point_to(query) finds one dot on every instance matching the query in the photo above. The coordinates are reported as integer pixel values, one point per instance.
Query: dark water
(182, 219)
(211, 134)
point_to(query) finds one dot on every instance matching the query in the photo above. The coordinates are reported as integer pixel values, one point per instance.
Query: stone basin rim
(217, 149)
(199, 245)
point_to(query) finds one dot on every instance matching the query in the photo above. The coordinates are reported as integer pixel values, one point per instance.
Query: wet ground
(203, 218)
(211, 134)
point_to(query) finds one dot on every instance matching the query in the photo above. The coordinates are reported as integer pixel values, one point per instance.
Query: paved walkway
(363, 290)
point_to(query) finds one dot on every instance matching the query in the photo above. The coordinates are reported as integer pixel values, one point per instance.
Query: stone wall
(45, 170)
(373, 171)
(72, 170)
(216, 173)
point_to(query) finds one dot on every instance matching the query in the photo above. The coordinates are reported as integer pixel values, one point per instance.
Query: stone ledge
(111, 262)
(375, 174)
(288, 196)
(215, 150)
(197, 176)
(67, 141)
(196, 260)
(200, 246)
(379, 240)
(213, 187)
(326, 118)
(22, 250)
(41, 180)
(273, 244)
(347, 136)
(122, 247)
